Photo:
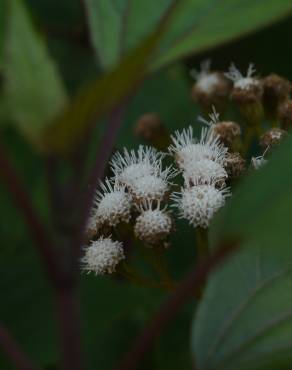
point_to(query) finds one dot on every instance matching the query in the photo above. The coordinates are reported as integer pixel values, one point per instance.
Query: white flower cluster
(139, 183)
(202, 165)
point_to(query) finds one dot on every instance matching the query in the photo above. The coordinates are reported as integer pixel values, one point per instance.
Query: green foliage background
(113, 311)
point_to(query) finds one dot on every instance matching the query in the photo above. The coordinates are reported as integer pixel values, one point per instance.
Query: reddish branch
(189, 287)
(23, 202)
(13, 351)
(107, 143)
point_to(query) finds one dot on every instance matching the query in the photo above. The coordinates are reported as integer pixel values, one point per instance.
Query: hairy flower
(204, 171)
(258, 162)
(132, 165)
(112, 204)
(199, 203)
(102, 256)
(188, 149)
(239, 81)
(153, 224)
(206, 81)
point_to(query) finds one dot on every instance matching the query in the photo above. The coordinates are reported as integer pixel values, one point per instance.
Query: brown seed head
(235, 165)
(285, 114)
(272, 137)
(276, 88)
(149, 126)
(227, 131)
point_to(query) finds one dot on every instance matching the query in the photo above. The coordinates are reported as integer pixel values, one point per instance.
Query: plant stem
(202, 242)
(23, 202)
(68, 313)
(14, 352)
(185, 291)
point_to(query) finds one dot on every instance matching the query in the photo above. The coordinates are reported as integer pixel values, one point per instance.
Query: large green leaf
(119, 25)
(245, 318)
(104, 94)
(33, 90)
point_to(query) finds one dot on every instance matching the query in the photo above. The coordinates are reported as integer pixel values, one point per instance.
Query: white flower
(187, 149)
(149, 188)
(102, 256)
(204, 171)
(153, 224)
(206, 81)
(130, 165)
(239, 80)
(199, 203)
(112, 204)
(152, 187)
(258, 162)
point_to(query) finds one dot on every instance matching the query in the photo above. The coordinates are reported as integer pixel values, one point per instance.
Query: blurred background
(112, 311)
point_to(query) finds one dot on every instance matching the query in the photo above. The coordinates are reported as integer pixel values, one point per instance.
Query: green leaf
(245, 318)
(104, 94)
(119, 25)
(33, 90)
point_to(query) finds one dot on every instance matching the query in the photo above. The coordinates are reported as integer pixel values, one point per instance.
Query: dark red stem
(23, 202)
(68, 313)
(107, 143)
(189, 287)
(14, 352)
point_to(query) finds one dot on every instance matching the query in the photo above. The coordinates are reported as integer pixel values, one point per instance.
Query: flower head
(153, 224)
(132, 165)
(206, 81)
(241, 82)
(199, 203)
(204, 171)
(102, 256)
(187, 149)
(112, 204)
(258, 162)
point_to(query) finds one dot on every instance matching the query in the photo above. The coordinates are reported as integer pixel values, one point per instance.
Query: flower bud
(272, 137)
(211, 88)
(276, 90)
(151, 129)
(285, 114)
(153, 225)
(235, 165)
(247, 94)
(227, 131)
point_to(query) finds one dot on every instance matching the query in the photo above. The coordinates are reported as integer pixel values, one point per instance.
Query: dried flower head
(153, 224)
(276, 88)
(227, 131)
(132, 165)
(235, 165)
(102, 256)
(285, 114)
(210, 88)
(272, 137)
(199, 203)
(149, 127)
(112, 204)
